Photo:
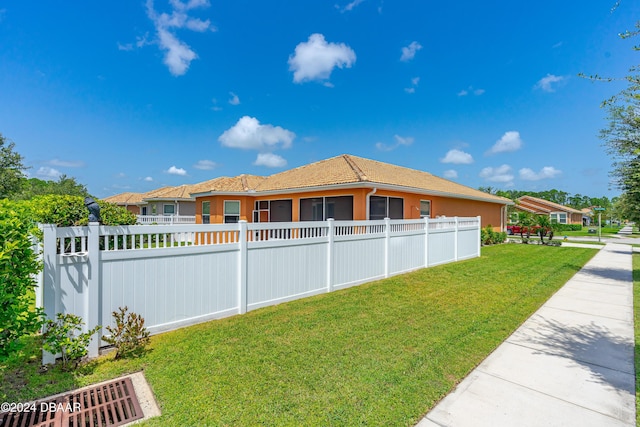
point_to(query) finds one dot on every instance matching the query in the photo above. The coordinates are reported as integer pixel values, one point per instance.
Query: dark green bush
(567, 227)
(18, 266)
(488, 236)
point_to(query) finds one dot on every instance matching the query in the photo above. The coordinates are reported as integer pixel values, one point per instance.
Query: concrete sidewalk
(570, 364)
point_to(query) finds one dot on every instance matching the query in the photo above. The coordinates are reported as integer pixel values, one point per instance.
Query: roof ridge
(361, 175)
(243, 181)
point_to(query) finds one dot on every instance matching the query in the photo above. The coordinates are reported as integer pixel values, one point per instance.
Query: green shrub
(67, 211)
(488, 236)
(129, 336)
(61, 337)
(567, 227)
(18, 266)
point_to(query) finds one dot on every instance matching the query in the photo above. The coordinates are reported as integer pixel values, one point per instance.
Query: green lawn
(382, 353)
(606, 232)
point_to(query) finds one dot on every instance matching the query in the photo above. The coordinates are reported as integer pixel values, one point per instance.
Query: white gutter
(371, 193)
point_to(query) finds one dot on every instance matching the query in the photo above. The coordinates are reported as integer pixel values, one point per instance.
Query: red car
(516, 229)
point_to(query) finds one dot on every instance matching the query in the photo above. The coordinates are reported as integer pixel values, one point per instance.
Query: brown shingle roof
(348, 169)
(125, 198)
(557, 206)
(179, 192)
(240, 183)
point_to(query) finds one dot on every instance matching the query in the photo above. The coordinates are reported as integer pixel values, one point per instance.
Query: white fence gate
(178, 275)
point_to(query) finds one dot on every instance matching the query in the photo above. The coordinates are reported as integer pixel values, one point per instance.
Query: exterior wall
(134, 209)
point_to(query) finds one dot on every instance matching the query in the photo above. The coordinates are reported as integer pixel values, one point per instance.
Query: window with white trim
(558, 217)
(425, 208)
(169, 209)
(231, 211)
(206, 212)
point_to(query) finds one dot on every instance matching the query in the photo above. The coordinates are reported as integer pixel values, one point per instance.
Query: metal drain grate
(107, 405)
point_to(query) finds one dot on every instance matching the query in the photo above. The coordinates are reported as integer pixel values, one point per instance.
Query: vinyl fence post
(455, 240)
(50, 286)
(92, 295)
(426, 241)
(242, 267)
(479, 234)
(330, 235)
(387, 244)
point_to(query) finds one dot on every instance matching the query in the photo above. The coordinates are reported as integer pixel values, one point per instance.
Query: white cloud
(126, 47)
(315, 59)
(457, 157)
(176, 171)
(400, 141)
(414, 84)
(509, 142)
(215, 106)
(546, 172)
(178, 54)
(66, 164)
(349, 7)
(501, 174)
(409, 52)
(548, 83)
(450, 174)
(234, 100)
(205, 165)
(48, 173)
(470, 89)
(270, 160)
(248, 134)
(148, 179)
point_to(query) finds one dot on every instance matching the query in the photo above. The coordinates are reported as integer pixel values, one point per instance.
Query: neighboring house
(170, 201)
(345, 187)
(131, 201)
(557, 213)
(586, 216)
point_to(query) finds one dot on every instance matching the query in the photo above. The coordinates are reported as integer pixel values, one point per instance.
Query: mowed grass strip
(382, 353)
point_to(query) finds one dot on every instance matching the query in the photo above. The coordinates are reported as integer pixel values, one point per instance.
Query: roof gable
(547, 205)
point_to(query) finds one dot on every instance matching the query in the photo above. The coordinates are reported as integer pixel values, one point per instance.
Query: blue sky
(136, 95)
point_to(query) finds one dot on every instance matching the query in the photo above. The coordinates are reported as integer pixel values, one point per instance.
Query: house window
(272, 211)
(231, 211)
(144, 210)
(425, 208)
(169, 209)
(386, 207)
(206, 212)
(559, 217)
(322, 208)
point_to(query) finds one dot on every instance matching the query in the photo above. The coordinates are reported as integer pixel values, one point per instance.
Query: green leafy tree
(622, 137)
(11, 169)
(18, 265)
(65, 185)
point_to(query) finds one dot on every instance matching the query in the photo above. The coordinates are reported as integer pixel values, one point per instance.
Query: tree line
(15, 185)
(576, 201)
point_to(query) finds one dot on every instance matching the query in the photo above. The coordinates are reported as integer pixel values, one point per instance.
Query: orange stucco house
(345, 187)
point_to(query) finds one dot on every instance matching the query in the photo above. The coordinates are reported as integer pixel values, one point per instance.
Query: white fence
(178, 275)
(166, 219)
